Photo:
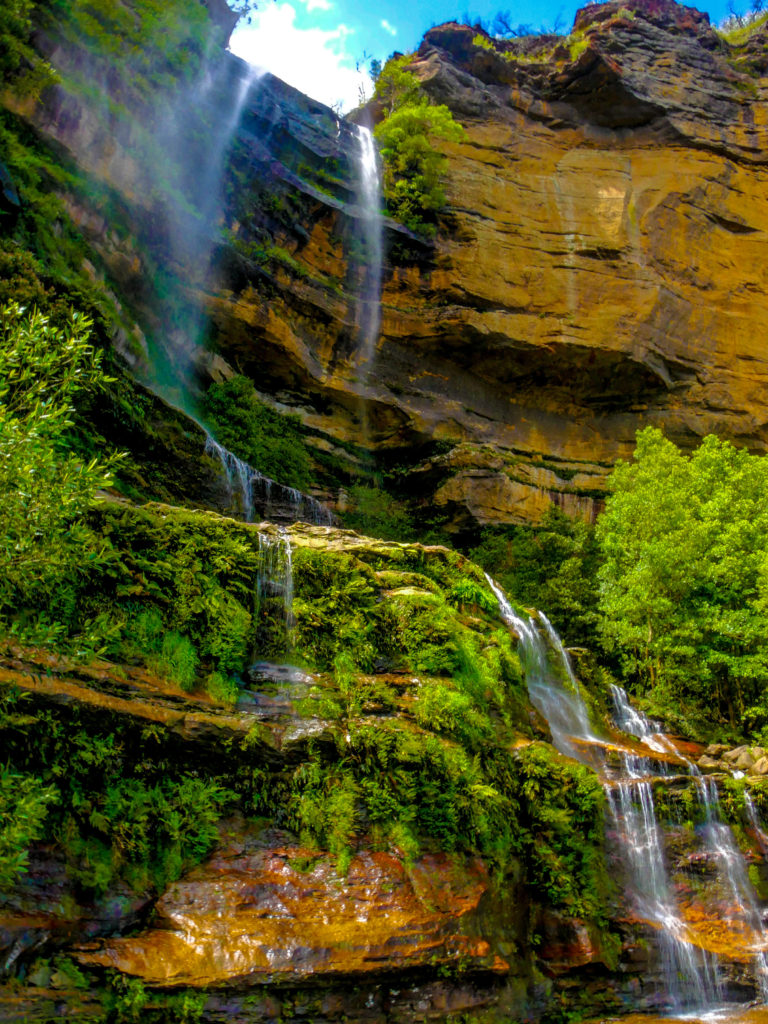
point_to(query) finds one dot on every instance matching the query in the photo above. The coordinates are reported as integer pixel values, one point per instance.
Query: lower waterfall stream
(251, 492)
(692, 968)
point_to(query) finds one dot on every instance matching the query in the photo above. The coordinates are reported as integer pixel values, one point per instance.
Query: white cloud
(317, 5)
(388, 28)
(313, 60)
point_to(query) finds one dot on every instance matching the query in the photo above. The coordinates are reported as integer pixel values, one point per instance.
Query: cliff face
(600, 264)
(606, 266)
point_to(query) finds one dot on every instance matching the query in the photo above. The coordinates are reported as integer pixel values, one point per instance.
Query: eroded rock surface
(600, 264)
(279, 913)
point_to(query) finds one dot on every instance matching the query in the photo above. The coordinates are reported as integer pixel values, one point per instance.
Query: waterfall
(369, 201)
(742, 913)
(691, 974)
(275, 577)
(187, 156)
(560, 704)
(251, 492)
(628, 719)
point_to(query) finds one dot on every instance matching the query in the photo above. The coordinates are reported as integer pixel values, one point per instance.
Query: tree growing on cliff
(413, 168)
(684, 584)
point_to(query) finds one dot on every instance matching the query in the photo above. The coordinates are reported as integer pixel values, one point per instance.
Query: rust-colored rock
(601, 265)
(279, 914)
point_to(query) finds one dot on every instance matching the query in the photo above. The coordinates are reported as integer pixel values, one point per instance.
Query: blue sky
(316, 44)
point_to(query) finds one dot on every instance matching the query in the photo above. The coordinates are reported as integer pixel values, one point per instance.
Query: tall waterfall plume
(188, 156)
(369, 203)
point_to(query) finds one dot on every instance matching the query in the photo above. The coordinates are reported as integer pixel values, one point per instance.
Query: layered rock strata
(600, 264)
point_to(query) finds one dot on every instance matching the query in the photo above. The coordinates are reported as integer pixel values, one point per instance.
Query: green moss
(426, 759)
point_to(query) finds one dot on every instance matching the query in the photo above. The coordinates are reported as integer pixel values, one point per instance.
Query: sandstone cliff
(599, 266)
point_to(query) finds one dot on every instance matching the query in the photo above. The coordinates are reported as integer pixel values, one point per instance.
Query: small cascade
(253, 493)
(369, 201)
(565, 658)
(276, 574)
(742, 914)
(691, 974)
(238, 474)
(556, 698)
(628, 719)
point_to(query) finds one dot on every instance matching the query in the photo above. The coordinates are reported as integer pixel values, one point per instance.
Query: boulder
(707, 763)
(744, 761)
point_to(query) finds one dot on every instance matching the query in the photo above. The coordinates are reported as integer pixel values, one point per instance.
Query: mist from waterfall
(191, 144)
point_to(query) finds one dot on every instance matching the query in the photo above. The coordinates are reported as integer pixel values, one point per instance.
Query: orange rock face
(281, 914)
(601, 264)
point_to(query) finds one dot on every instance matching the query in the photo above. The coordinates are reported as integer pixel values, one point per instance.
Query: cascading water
(691, 974)
(741, 912)
(250, 490)
(276, 574)
(192, 140)
(559, 703)
(369, 202)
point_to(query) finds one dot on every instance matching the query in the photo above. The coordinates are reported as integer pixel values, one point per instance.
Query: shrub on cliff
(18, 61)
(551, 566)
(413, 168)
(269, 441)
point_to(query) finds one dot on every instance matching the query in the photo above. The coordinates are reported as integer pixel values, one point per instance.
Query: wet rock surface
(261, 912)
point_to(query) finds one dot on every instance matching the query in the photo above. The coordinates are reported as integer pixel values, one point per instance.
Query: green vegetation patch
(270, 441)
(413, 167)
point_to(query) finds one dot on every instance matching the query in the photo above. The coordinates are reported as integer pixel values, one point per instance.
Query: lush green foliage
(374, 512)
(269, 441)
(15, 50)
(149, 44)
(117, 813)
(178, 590)
(413, 168)
(24, 802)
(684, 586)
(45, 545)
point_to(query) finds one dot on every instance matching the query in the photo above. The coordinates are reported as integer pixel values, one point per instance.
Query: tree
(45, 543)
(413, 168)
(684, 582)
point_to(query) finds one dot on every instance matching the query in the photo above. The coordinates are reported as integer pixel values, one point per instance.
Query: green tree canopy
(684, 584)
(413, 168)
